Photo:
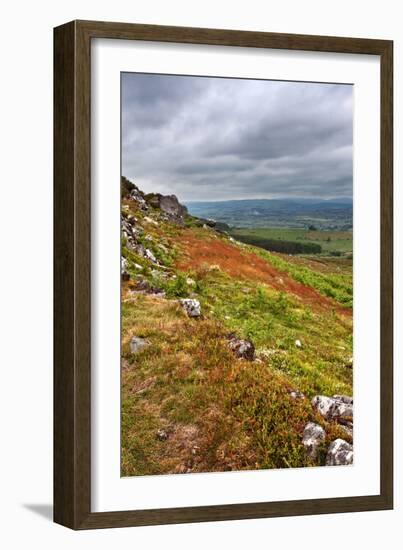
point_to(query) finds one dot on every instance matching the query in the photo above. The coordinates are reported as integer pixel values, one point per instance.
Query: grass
(219, 412)
(333, 285)
(330, 241)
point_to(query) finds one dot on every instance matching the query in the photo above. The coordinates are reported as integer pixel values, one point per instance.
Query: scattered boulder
(191, 306)
(312, 438)
(137, 344)
(162, 435)
(123, 269)
(298, 344)
(295, 394)
(333, 408)
(244, 349)
(340, 453)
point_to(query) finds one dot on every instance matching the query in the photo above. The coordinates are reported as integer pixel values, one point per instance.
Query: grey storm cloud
(205, 138)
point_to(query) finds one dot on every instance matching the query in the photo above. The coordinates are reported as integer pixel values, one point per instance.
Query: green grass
(239, 414)
(335, 285)
(330, 241)
(219, 412)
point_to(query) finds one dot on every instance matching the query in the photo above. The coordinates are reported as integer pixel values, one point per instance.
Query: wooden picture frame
(72, 270)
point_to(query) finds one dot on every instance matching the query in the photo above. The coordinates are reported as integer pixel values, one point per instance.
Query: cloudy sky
(217, 138)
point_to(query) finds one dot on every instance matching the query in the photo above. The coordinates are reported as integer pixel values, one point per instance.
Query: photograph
(236, 274)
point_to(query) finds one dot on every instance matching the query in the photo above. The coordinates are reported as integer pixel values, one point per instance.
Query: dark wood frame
(72, 319)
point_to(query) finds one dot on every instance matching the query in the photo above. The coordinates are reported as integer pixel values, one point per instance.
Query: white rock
(150, 256)
(344, 399)
(312, 438)
(333, 408)
(298, 343)
(340, 453)
(123, 264)
(138, 266)
(190, 281)
(244, 349)
(191, 306)
(162, 435)
(137, 344)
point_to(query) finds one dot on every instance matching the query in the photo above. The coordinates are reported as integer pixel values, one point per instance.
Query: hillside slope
(226, 348)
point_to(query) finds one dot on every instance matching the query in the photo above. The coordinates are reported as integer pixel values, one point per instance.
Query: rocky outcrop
(130, 191)
(169, 204)
(130, 231)
(313, 436)
(340, 453)
(191, 306)
(243, 349)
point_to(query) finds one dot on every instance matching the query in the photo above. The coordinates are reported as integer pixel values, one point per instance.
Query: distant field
(330, 241)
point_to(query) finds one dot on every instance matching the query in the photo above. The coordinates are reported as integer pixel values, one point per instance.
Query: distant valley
(336, 215)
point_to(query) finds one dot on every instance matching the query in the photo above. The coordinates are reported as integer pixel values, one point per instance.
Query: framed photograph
(222, 274)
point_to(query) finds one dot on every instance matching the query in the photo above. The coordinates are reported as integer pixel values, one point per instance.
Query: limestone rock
(244, 349)
(168, 204)
(312, 437)
(150, 256)
(123, 264)
(123, 269)
(333, 408)
(137, 344)
(191, 306)
(340, 453)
